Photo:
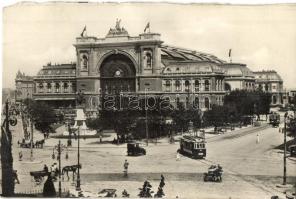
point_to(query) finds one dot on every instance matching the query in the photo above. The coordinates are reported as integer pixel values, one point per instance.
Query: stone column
(61, 87)
(70, 87)
(52, 87)
(45, 90)
(37, 87)
(202, 83)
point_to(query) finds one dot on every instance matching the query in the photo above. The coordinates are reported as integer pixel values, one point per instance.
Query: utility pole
(78, 162)
(32, 138)
(59, 155)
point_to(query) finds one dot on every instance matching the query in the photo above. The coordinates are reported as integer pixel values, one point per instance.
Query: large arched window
(84, 62)
(48, 87)
(207, 103)
(266, 87)
(149, 60)
(178, 85)
(40, 86)
(196, 84)
(66, 86)
(196, 102)
(187, 85)
(207, 85)
(227, 87)
(167, 85)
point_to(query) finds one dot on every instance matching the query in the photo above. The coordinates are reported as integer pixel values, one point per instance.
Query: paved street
(102, 166)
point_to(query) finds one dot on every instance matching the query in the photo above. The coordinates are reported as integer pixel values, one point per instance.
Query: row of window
(267, 87)
(55, 87)
(196, 102)
(250, 85)
(197, 85)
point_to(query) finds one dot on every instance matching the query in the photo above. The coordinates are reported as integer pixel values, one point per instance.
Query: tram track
(234, 135)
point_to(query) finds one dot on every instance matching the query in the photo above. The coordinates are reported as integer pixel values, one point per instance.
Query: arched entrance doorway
(274, 99)
(118, 74)
(227, 87)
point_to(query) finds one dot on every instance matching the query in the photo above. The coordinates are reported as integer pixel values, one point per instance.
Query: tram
(193, 147)
(274, 119)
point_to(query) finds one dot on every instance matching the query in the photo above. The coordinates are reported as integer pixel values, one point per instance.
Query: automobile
(292, 149)
(134, 149)
(107, 193)
(214, 174)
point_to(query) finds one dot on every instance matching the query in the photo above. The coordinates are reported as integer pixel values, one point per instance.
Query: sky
(263, 37)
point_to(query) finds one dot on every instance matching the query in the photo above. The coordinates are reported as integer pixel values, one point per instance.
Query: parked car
(134, 149)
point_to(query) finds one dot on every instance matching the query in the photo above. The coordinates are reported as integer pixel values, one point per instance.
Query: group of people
(53, 169)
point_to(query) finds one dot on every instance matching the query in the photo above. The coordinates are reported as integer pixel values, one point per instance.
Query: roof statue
(19, 74)
(117, 26)
(117, 31)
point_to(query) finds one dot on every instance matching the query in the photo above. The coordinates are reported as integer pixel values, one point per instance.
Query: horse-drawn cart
(38, 176)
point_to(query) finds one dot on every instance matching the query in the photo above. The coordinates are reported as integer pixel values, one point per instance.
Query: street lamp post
(32, 139)
(80, 118)
(59, 149)
(285, 149)
(32, 129)
(78, 163)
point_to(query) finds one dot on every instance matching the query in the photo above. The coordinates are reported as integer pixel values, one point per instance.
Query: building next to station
(119, 64)
(270, 81)
(24, 87)
(56, 85)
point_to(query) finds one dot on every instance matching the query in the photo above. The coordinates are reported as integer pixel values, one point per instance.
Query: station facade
(119, 64)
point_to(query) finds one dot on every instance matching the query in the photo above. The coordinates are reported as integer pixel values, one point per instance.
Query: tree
(42, 114)
(6, 164)
(95, 123)
(182, 117)
(243, 102)
(218, 116)
(8, 175)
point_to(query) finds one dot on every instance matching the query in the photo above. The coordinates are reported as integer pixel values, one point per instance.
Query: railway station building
(120, 64)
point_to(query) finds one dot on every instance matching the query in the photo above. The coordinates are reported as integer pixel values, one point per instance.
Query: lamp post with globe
(79, 121)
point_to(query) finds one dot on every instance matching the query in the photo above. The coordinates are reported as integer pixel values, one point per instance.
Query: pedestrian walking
(45, 168)
(125, 166)
(15, 176)
(20, 156)
(280, 130)
(69, 142)
(257, 139)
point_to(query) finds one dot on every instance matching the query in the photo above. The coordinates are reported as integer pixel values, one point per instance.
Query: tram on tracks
(194, 147)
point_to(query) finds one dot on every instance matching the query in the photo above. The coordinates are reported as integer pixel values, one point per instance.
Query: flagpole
(230, 56)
